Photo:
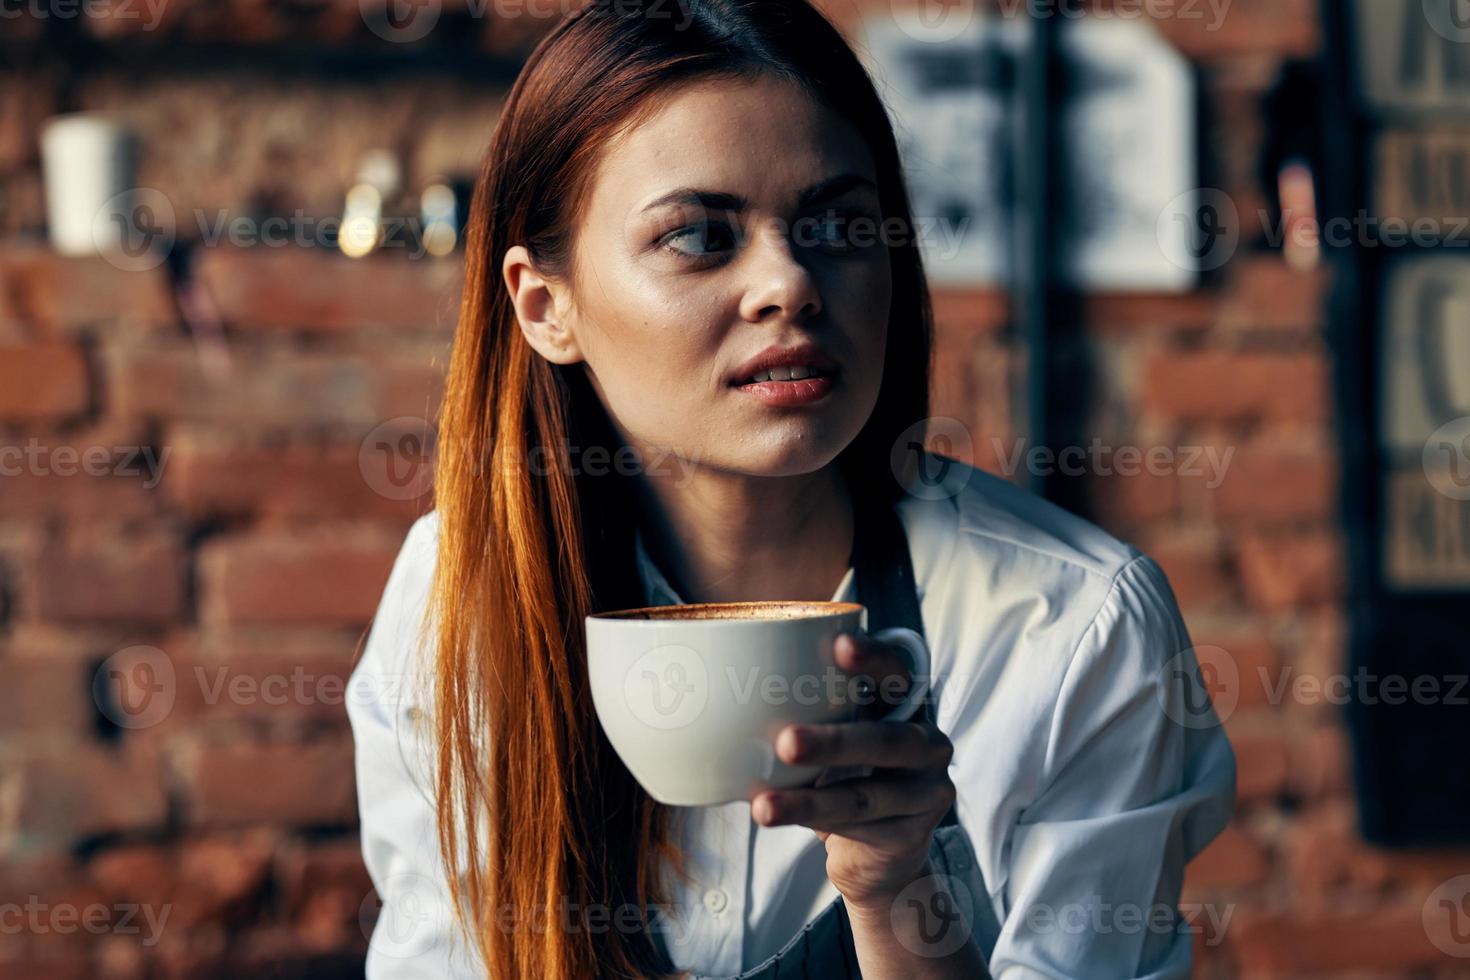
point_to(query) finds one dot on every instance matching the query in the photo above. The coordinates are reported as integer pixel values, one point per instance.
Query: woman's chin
(796, 456)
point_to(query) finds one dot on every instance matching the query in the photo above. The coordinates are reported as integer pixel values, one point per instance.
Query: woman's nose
(778, 284)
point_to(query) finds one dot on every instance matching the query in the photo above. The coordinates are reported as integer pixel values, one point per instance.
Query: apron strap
(884, 574)
(883, 567)
(884, 570)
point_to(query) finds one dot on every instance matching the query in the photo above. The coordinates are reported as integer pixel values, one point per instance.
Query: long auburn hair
(536, 813)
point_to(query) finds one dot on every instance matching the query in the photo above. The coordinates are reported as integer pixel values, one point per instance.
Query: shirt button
(715, 900)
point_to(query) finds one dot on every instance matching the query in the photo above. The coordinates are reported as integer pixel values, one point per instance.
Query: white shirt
(1063, 675)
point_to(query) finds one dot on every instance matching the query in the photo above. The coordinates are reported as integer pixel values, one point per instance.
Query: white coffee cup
(87, 162)
(692, 696)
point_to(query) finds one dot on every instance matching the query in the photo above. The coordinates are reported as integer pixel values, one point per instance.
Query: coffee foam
(768, 611)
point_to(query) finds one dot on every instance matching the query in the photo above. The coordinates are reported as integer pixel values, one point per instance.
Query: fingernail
(789, 749)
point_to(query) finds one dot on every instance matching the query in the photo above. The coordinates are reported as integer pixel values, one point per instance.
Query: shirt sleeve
(414, 935)
(1138, 777)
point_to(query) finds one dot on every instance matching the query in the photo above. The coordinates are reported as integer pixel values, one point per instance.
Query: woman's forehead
(764, 140)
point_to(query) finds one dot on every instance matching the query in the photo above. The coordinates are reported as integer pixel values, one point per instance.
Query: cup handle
(918, 656)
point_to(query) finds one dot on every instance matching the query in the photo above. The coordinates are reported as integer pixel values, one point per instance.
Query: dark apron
(823, 948)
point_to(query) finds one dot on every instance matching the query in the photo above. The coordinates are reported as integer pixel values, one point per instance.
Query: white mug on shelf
(86, 160)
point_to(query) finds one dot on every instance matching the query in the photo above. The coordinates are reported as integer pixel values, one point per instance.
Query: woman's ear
(541, 307)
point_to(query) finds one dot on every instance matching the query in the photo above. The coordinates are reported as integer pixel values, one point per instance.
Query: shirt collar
(658, 592)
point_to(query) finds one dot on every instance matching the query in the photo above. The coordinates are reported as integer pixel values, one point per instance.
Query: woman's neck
(724, 537)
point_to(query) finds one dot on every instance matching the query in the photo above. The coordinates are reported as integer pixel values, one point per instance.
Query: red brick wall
(252, 566)
(244, 576)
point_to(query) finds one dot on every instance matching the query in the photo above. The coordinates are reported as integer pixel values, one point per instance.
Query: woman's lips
(782, 394)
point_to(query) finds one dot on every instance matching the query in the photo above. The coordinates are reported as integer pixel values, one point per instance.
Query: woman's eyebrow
(714, 200)
(819, 192)
(832, 187)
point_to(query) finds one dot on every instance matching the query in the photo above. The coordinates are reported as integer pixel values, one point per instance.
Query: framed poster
(1396, 121)
(1424, 422)
(1417, 54)
(949, 94)
(1422, 177)
(1131, 197)
(1126, 157)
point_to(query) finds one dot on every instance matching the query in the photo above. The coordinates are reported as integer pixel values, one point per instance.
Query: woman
(671, 194)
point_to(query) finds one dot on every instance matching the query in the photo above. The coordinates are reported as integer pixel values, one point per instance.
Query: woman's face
(675, 294)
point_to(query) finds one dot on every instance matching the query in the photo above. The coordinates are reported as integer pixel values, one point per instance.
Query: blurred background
(1199, 272)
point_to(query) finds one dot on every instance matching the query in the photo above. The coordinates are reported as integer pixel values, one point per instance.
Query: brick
(1329, 860)
(1194, 561)
(1118, 312)
(322, 889)
(13, 332)
(1269, 485)
(118, 579)
(1285, 571)
(1321, 678)
(49, 887)
(1232, 860)
(64, 793)
(1283, 28)
(222, 879)
(262, 682)
(1234, 141)
(26, 99)
(1264, 680)
(62, 294)
(1321, 763)
(106, 471)
(123, 956)
(57, 873)
(323, 290)
(42, 382)
(273, 387)
(305, 784)
(337, 481)
(44, 697)
(264, 951)
(65, 643)
(330, 579)
(969, 312)
(136, 873)
(1268, 295)
(1281, 943)
(1255, 660)
(1262, 764)
(515, 37)
(52, 965)
(33, 497)
(954, 385)
(1211, 960)
(1140, 497)
(25, 200)
(972, 385)
(118, 20)
(218, 879)
(145, 688)
(1214, 385)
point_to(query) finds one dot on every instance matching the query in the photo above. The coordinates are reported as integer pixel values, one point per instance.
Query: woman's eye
(698, 241)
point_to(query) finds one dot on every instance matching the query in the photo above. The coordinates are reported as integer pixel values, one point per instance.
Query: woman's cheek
(862, 299)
